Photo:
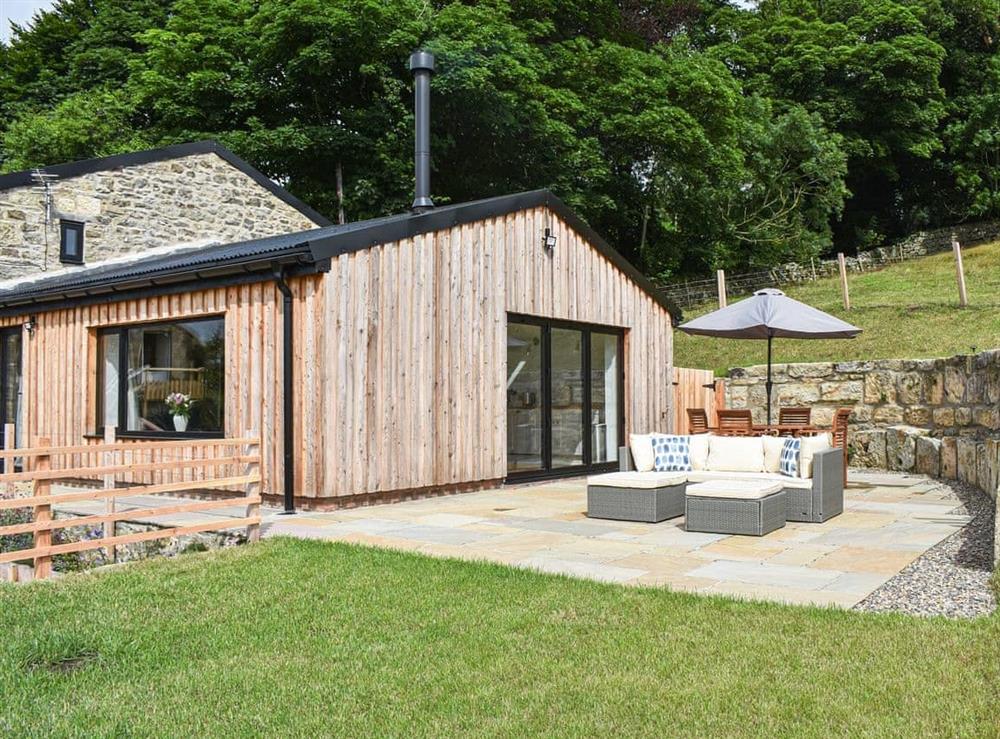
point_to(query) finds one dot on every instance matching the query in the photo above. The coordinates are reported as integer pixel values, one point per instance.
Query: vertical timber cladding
(399, 352)
(414, 349)
(61, 358)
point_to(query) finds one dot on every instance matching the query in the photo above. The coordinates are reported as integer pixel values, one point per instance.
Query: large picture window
(139, 366)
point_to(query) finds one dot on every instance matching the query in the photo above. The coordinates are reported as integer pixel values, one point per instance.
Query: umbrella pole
(768, 384)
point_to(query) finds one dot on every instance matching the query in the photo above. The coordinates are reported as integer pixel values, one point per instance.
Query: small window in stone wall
(71, 242)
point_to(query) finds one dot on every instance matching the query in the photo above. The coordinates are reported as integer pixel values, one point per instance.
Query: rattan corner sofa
(812, 499)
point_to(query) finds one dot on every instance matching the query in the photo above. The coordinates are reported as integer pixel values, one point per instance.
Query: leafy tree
(637, 113)
(85, 124)
(76, 46)
(870, 70)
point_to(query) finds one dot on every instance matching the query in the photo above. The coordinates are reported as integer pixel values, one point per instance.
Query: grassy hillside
(908, 310)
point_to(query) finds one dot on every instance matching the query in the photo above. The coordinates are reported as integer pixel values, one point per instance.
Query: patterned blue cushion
(790, 457)
(671, 453)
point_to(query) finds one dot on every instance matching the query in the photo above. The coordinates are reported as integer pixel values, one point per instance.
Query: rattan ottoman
(748, 507)
(650, 497)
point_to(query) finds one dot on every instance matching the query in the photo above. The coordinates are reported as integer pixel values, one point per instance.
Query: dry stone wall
(199, 198)
(697, 292)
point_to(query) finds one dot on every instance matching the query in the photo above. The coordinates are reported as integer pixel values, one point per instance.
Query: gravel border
(953, 578)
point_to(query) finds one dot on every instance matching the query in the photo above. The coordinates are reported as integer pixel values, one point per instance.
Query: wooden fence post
(253, 488)
(110, 436)
(842, 263)
(720, 283)
(963, 296)
(720, 394)
(9, 442)
(43, 513)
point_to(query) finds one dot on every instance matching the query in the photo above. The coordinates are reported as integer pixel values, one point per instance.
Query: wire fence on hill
(692, 292)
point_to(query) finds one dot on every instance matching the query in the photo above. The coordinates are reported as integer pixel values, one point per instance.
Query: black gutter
(288, 406)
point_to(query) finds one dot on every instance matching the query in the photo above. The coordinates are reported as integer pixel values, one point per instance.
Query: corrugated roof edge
(183, 270)
(176, 151)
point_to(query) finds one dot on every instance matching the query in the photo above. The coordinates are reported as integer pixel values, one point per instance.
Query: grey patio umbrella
(770, 313)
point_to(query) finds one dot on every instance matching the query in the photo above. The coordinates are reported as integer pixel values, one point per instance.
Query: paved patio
(889, 520)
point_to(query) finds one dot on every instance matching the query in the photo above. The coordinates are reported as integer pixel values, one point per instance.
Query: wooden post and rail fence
(113, 470)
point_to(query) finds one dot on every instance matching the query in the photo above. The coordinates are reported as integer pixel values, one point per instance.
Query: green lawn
(294, 638)
(908, 310)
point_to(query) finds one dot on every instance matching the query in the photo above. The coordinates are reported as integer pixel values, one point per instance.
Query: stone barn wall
(199, 198)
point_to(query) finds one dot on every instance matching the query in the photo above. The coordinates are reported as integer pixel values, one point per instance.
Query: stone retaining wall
(910, 449)
(938, 417)
(954, 396)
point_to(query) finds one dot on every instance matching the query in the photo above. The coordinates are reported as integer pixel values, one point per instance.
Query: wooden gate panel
(695, 388)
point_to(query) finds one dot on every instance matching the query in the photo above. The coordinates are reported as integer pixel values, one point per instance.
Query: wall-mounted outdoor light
(549, 239)
(30, 324)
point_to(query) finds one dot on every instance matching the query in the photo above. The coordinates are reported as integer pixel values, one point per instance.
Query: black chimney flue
(422, 66)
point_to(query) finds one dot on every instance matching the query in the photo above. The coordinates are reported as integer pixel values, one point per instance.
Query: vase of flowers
(179, 406)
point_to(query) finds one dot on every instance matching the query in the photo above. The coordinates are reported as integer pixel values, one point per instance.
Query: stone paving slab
(889, 521)
(762, 573)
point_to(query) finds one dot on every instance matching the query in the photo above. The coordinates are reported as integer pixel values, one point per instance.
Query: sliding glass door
(566, 407)
(605, 396)
(564, 397)
(524, 398)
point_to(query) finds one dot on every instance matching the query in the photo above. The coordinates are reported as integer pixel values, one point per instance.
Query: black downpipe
(289, 385)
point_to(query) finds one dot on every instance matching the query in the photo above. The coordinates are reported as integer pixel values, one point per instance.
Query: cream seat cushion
(811, 445)
(639, 480)
(735, 454)
(785, 481)
(772, 453)
(642, 451)
(741, 489)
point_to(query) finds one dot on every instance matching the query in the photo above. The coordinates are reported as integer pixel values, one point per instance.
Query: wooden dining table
(775, 429)
(788, 429)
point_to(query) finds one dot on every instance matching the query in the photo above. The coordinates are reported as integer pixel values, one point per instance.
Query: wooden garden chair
(697, 421)
(841, 418)
(734, 422)
(794, 416)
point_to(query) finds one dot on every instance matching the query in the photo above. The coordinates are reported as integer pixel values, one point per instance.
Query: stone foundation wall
(954, 396)
(199, 198)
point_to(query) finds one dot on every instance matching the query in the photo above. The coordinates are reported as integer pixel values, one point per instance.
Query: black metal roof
(297, 253)
(176, 151)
